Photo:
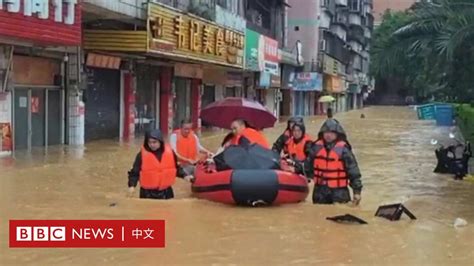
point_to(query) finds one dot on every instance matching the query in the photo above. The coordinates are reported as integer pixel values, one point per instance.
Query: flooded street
(396, 159)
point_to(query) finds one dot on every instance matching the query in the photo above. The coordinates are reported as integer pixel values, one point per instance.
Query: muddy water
(396, 159)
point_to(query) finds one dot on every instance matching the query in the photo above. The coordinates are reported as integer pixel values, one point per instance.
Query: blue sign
(264, 79)
(307, 81)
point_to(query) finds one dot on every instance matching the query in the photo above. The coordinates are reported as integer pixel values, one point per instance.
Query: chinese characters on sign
(103, 61)
(261, 53)
(331, 66)
(173, 32)
(307, 81)
(271, 56)
(64, 10)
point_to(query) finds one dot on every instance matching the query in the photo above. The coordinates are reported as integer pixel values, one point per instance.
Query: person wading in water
(156, 168)
(333, 167)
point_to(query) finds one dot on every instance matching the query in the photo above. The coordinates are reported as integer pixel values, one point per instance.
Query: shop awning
(115, 40)
(176, 35)
(288, 58)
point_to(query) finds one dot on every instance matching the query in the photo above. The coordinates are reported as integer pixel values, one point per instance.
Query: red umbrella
(223, 112)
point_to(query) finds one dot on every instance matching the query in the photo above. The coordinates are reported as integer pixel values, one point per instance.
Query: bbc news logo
(40, 233)
(87, 233)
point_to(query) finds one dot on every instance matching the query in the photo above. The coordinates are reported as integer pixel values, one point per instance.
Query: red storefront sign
(271, 50)
(41, 21)
(270, 56)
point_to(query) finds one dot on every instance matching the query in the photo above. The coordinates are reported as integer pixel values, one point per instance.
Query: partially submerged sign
(393, 212)
(347, 219)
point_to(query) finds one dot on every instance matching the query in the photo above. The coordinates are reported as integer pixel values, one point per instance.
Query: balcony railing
(341, 2)
(328, 6)
(341, 32)
(355, 19)
(356, 34)
(341, 18)
(367, 33)
(356, 47)
(336, 48)
(325, 21)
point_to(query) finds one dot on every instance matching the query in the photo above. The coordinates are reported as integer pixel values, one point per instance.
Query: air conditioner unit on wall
(322, 45)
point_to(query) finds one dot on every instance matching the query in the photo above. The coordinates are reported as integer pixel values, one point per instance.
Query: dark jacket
(134, 173)
(283, 138)
(348, 158)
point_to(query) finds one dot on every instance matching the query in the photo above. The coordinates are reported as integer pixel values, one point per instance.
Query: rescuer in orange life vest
(156, 168)
(279, 144)
(243, 134)
(333, 166)
(299, 142)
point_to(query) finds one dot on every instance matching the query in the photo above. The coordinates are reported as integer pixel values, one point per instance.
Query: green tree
(430, 46)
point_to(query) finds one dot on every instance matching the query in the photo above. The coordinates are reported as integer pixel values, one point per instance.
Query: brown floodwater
(395, 157)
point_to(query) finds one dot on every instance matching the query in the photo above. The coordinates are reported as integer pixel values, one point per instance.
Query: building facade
(335, 37)
(39, 75)
(345, 32)
(265, 37)
(303, 27)
(173, 58)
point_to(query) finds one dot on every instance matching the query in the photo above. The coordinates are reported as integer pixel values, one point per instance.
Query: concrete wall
(303, 25)
(131, 8)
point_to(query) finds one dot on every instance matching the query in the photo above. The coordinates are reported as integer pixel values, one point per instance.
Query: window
(222, 3)
(354, 5)
(233, 6)
(297, 28)
(325, 3)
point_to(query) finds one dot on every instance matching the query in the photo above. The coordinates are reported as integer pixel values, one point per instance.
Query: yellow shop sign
(171, 32)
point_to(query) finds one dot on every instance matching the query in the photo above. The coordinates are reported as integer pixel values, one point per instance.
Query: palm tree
(437, 38)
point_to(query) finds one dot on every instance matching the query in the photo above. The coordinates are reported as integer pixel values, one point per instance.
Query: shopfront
(102, 97)
(37, 102)
(262, 58)
(269, 92)
(306, 86)
(147, 95)
(288, 76)
(185, 45)
(334, 83)
(34, 82)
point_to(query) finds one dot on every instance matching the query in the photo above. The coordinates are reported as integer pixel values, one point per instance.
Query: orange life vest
(156, 174)
(297, 149)
(329, 168)
(186, 146)
(253, 136)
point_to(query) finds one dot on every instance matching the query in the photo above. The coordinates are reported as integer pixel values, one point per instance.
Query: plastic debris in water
(393, 212)
(347, 218)
(460, 222)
